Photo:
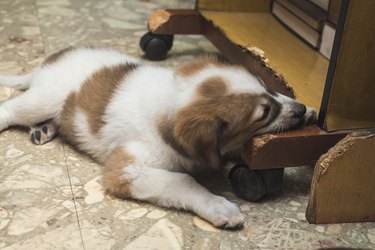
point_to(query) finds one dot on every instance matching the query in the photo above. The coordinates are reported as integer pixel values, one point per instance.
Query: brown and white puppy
(149, 127)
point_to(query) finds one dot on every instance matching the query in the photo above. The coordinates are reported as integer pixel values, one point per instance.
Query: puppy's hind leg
(125, 178)
(43, 132)
(30, 108)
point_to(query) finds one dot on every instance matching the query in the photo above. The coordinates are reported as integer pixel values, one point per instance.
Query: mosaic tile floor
(50, 195)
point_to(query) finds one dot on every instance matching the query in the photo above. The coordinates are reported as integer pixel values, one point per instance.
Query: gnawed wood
(298, 147)
(248, 56)
(343, 182)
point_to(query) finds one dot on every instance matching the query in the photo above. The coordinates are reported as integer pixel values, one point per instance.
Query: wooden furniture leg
(343, 184)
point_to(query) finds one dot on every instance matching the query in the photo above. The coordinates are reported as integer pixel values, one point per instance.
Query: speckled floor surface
(50, 195)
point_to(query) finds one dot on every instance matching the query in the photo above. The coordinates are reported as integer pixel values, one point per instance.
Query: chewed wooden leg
(343, 182)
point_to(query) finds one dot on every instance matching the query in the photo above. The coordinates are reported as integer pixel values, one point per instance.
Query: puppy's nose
(298, 109)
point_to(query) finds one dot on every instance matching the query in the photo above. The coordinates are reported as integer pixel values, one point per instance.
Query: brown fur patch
(113, 181)
(213, 87)
(193, 67)
(93, 98)
(56, 56)
(215, 119)
(66, 128)
(210, 88)
(97, 91)
(165, 127)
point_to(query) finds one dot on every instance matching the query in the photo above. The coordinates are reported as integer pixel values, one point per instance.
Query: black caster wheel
(155, 46)
(253, 185)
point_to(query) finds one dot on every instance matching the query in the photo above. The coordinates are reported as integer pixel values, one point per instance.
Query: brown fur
(212, 87)
(213, 120)
(56, 56)
(166, 127)
(66, 119)
(113, 182)
(93, 98)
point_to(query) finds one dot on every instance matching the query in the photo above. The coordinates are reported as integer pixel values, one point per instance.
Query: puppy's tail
(21, 82)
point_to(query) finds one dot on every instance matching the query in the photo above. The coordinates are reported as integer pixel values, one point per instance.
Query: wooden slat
(298, 147)
(304, 68)
(351, 101)
(343, 183)
(235, 5)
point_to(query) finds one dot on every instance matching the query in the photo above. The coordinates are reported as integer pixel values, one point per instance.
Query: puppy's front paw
(223, 213)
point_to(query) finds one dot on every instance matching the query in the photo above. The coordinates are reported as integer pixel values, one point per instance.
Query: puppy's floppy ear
(201, 139)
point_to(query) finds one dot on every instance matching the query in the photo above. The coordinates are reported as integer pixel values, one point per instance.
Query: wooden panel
(351, 101)
(298, 147)
(235, 5)
(304, 68)
(343, 183)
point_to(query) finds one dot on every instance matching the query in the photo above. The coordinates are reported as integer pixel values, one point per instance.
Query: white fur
(159, 174)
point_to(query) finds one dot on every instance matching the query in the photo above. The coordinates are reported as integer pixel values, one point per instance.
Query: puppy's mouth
(299, 116)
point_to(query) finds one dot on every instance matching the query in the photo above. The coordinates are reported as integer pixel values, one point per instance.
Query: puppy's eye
(266, 111)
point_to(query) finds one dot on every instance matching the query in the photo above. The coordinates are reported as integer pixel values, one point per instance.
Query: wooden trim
(181, 21)
(298, 147)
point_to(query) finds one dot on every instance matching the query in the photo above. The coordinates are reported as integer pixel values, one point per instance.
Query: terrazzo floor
(50, 195)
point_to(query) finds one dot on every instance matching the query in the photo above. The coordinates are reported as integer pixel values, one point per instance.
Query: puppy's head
(226, 108)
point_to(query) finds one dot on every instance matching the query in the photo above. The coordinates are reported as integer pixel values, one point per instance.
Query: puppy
(149, 127)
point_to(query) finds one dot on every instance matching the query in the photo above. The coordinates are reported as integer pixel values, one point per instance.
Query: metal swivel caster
(155, 46)
(253, 185)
